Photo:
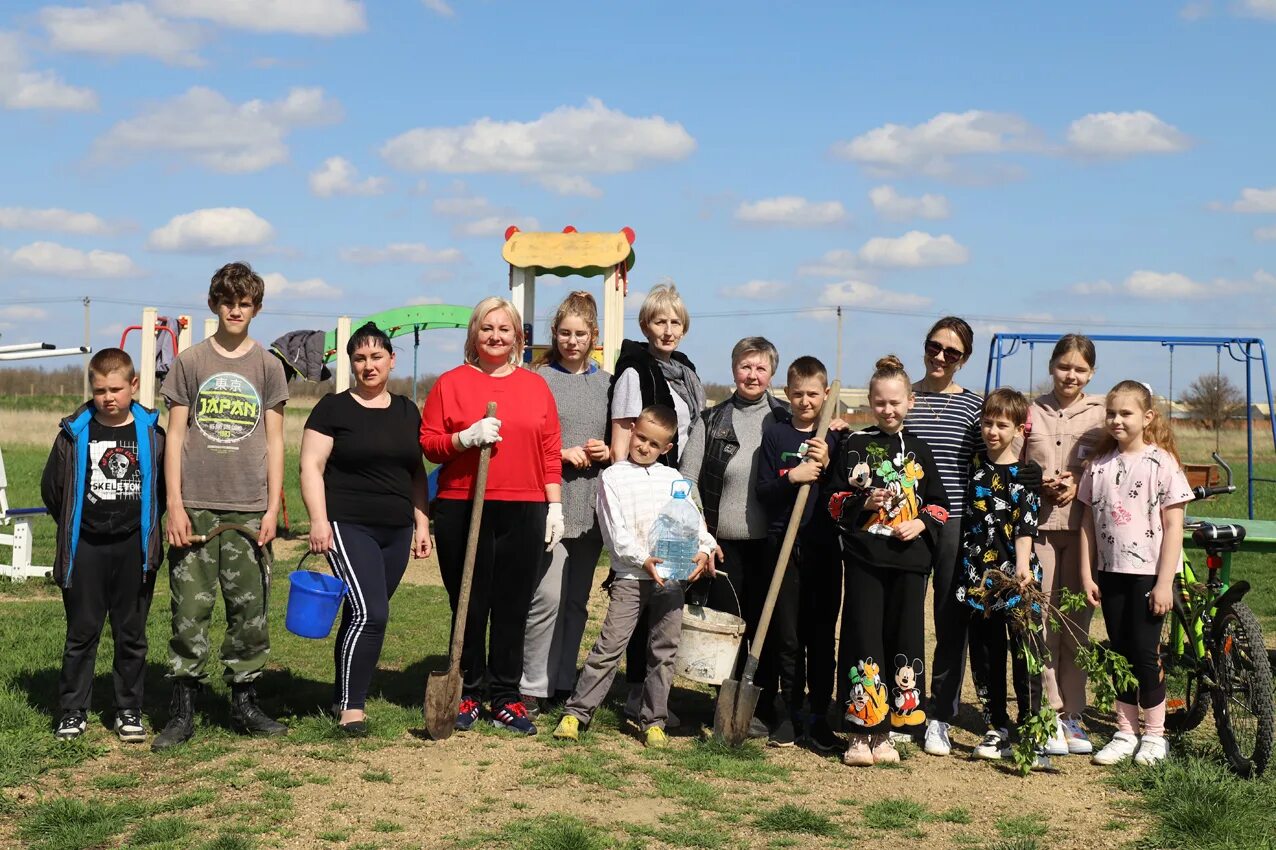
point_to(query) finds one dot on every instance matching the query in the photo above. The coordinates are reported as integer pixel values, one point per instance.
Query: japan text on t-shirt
(1127, 494)
(113, 481)
(224, 451)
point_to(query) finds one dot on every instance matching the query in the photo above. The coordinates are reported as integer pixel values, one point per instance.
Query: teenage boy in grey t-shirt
(224, 465)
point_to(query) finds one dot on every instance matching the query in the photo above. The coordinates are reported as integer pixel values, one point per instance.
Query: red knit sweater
(527, 457)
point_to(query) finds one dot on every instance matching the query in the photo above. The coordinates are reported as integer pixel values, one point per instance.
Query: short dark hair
(110, 360)
(807, 367)
(662, 415)
(234, 281)
(1006, 402)
(369, 332)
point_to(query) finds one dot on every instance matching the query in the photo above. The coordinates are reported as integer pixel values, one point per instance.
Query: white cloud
(424, 300)
(1119, 134)
(1195, 10)
(1255, 201)
(211, 229)
(755, 290)
(298, 17)
(1265, 234)
(125, 29)
(214, 132)
(439, 7)
(930, 147)
(1096, 287)
(791, 211)
(495, 225)
(891, 205)
(857, 293)
(278, 286)
(401, 252)
(563, 185)
(23, 313)
(53, 260)
(1149, 284)
(840, 263)
(338, 176)
(914, 249)
(55, 219)
(1265, 9)
(567, 141)
(462, 206)
(22, 88)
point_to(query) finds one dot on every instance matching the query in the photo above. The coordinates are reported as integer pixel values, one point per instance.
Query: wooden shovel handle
(786, 548)
(471, 550)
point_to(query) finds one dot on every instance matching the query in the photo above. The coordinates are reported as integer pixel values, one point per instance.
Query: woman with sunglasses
(946, 417)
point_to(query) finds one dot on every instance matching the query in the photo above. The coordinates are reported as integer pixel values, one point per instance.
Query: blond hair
(755, 345)
(888, 368)
(661, 297)
(1157, 433)
(581, 305)
(481, 310)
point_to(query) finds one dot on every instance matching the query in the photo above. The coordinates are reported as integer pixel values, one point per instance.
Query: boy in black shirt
(102, 485)
(800, 654)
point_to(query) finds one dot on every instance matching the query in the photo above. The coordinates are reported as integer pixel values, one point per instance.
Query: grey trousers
(556, 620)
(629, 598)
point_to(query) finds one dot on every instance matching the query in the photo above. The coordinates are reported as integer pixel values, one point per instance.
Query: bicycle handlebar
(1207, 492)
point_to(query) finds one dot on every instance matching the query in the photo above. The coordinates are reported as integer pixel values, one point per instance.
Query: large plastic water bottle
(675, 535)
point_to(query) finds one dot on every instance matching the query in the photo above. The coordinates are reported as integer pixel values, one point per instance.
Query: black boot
(247, 717)
(181, 721)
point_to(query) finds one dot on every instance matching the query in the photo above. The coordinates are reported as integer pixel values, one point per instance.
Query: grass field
(395, 790)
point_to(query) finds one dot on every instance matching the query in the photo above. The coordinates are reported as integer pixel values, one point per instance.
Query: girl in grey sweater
(556, 620)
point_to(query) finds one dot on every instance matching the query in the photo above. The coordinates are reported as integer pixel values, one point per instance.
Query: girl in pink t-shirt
(1131, 547)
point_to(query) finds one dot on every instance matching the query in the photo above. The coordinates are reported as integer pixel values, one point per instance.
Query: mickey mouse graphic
(906, 697)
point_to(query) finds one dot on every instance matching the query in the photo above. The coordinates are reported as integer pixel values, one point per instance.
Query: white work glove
(485, 432)
(553, 525)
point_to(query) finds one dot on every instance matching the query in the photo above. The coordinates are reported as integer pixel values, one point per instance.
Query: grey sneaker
(128, 726)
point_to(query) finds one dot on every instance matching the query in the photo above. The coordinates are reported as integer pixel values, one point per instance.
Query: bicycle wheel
(1186, 701)
(1243, 698)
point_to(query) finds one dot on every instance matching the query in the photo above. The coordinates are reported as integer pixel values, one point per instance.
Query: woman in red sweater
(523, 498)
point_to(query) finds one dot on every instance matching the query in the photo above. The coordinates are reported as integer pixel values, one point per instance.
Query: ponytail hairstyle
(888, 368)
(961, 329)
(581, 305)
(369, 333)
(1157, 433)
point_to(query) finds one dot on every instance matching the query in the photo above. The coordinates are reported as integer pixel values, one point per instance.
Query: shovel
(738, 698)
(443, 690)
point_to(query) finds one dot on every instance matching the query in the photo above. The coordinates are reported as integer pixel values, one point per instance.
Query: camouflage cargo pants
(228, 561)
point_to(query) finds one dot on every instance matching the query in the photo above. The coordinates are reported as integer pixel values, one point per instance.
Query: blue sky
(1040, 167)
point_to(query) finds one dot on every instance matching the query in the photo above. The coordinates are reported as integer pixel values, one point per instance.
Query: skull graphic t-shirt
(113, 481)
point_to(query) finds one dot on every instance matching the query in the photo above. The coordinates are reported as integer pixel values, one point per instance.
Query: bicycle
(1213, 652)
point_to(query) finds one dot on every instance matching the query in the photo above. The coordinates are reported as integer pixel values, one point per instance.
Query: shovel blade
(442, 696)
(737, 702)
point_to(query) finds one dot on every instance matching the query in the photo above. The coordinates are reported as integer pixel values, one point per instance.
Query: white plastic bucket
(709, 645)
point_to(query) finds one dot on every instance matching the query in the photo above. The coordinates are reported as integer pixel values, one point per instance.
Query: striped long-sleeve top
(949, 425)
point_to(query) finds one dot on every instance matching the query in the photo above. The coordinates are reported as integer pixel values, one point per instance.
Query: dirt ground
(437, 794)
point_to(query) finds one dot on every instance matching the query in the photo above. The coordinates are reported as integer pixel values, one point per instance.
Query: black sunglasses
(942, 352)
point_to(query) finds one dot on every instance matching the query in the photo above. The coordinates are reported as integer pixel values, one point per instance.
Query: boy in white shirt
(630, 495)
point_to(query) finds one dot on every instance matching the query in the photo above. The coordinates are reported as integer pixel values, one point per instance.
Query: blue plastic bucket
(313, 601)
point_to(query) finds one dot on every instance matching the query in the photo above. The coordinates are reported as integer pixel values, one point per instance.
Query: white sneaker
(1152, 748)
(1120, 748)
(1078, 741)
(1057, 745)
(994, 745)
(937, 742)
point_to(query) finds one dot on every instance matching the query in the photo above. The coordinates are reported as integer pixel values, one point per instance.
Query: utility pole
(87, 347)
(838, 401)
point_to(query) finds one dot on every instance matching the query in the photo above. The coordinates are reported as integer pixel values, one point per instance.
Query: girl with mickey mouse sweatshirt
(890, 505)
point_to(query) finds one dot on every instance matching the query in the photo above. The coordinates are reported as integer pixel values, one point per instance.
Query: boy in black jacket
(800, 652)
(103, 487)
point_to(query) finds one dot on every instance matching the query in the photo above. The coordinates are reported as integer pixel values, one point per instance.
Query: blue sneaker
(468, 714)
(513, 716)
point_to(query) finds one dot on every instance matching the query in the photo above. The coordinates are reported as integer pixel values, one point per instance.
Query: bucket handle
(307, 554)
(723, 574)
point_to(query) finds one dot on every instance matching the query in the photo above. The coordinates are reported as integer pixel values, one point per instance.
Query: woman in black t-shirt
(365, 490)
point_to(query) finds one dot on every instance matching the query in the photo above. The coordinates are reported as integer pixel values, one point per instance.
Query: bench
(1201, 475)
(19, 539)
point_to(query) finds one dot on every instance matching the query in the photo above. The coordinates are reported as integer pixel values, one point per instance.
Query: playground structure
(18, 539)
(1247, 350)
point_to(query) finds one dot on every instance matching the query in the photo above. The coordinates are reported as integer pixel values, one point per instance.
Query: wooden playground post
(210, 326)
(183, 333)
(343, 360)
(613, 318)
(523, 297)
(146, 368)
